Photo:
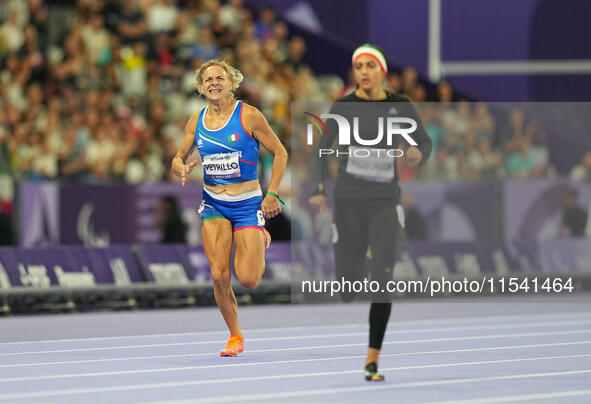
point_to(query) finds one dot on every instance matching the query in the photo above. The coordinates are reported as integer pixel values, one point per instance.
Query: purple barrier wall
(103, 215)
(96, 214)
(167, 264)
(100, 215)
(465, 259)
(146, 197)
(39, 213)
(457, 211)
(565, 256)
(533, 208)
(452, 211)
(278, 262)
(68, 267)
(79, 267)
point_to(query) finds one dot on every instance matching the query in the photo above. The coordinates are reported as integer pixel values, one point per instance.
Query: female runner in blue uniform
(227, 134)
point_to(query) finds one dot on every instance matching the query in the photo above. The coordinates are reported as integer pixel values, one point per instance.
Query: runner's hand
(185, 170)
(413, 156)
(270, 206)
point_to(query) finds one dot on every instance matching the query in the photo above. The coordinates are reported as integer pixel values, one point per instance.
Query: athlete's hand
(413, 156)
(270, 206)
(185, 170)
(318, 202)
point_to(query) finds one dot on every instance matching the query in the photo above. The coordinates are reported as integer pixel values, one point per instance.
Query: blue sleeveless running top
(229, 154)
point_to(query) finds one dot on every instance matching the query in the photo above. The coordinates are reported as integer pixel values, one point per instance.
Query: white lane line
(503, 318)
(304, 348)
(318, 392)
(295, 337)
(183, 334)
(291, 337)
(185, 368)
(145, 386)
(517, 397)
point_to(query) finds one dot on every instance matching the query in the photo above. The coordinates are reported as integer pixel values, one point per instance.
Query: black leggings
(358, 224)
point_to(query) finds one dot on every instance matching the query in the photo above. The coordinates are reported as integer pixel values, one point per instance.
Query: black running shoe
(371, 373)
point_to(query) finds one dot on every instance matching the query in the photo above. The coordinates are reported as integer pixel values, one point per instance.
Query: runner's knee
(249, 280)
(220, 275)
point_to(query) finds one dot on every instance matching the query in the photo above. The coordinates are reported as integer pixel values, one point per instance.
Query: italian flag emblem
(233, 138)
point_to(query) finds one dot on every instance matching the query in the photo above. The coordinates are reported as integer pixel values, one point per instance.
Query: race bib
(222, 165)
(375, 165)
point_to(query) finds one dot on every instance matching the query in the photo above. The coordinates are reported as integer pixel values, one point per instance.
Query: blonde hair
(232, 73)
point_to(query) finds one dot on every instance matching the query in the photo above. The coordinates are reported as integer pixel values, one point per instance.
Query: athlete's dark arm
(418, 155)
(185, 150)
(319, 165)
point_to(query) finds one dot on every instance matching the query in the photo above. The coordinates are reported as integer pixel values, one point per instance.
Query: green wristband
(276, 196)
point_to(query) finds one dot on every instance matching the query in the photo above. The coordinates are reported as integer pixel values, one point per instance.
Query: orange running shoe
(234, 347)
(267, 238)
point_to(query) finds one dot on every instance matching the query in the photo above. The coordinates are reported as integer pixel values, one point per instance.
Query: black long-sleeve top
(349, 106)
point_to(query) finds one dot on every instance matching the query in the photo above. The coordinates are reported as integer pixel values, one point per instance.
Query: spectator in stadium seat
(280, 34)
(38, 17)
(485, 161)
(418, 93)
(230, 15)
(67, 71)
(431, 116)
(574, 217)
(297, 49)
(161, 16)
(32, 54)
(520, 163)
(483, 124)
(444, 167)
(70, 157)
(99, 154)
(409, 80)
(394, 82)
(96, 40)
(131, 25)
(206, 48)
(264, 25)
(134, 73)
(444, 93)
(472, 170)
(12, 32)
(582, 171)
(511, 137)
(539, 153)
(205, 13)
(44, 166)
(457, 119)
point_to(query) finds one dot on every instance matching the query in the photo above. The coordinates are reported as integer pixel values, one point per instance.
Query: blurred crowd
(100, 91)
(469, 144)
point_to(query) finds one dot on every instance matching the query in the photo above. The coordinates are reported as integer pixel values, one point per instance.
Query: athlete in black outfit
(366, 189)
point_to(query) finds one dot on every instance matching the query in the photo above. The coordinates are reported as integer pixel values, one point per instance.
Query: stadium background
(94, 97)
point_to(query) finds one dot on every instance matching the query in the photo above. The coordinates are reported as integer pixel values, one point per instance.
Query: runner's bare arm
(185, 149)
(258, 127)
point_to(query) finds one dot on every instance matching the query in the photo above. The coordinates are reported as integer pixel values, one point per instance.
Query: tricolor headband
(372, 51)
